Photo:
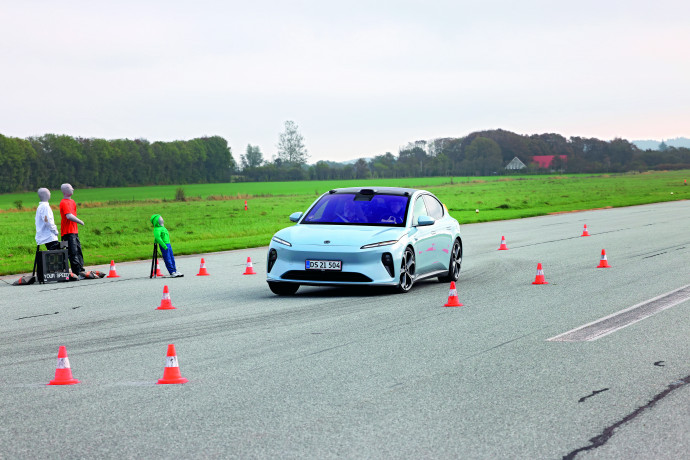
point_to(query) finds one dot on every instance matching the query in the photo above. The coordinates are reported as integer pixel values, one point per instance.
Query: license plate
(324, 264)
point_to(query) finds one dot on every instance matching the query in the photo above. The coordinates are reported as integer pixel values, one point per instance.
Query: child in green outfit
(162, 237)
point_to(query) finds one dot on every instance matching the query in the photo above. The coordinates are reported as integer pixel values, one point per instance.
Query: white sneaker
(176, 275)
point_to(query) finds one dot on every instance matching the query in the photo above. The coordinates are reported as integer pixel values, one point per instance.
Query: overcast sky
(360, 78)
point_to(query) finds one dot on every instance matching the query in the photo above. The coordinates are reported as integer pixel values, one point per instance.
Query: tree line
(478, 154)
(49, 160)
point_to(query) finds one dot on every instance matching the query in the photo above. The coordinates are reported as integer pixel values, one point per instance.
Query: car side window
(434, 207)
(418, 210)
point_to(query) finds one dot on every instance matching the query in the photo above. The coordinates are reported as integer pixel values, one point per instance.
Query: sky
(359, 78)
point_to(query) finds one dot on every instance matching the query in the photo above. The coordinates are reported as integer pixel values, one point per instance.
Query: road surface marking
(624, 318)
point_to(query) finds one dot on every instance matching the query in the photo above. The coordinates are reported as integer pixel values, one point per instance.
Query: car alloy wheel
(407, 270)
(455, 264)
(456, 261)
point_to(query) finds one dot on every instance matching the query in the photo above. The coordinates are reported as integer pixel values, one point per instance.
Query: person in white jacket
(46, 230)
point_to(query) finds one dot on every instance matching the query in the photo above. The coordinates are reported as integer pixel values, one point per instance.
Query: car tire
(455, 264)
(408, 268)
(283, 288)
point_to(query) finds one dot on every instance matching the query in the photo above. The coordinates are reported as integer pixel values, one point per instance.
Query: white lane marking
(624, 318)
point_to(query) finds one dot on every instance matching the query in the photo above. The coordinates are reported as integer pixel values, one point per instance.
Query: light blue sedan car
(383, 236)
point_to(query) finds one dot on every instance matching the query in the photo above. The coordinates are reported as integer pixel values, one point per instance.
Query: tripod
(154, 261)
(33, 272)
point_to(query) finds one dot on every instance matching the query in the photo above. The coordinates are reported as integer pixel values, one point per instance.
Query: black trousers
(76, 258)
(53, 245)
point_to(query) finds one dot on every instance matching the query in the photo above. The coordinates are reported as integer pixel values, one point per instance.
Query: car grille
(303, 275)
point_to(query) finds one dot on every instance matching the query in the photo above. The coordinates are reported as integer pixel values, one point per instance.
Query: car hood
(338, 235)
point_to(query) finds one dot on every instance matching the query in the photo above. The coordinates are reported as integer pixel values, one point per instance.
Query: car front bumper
(359, 266)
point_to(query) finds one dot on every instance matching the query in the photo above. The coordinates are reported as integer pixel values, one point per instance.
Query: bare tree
(291, 147)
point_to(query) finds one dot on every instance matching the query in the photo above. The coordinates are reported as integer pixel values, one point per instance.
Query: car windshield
(359, 209)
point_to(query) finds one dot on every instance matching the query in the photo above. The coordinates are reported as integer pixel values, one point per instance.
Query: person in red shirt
(70, 230)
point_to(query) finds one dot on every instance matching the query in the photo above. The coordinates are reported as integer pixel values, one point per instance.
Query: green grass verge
(118, 228)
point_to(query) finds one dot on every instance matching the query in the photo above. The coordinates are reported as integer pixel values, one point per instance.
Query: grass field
(213, 219)
(238, 190)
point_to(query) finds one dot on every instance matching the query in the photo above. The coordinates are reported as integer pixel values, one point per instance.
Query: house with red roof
(545, 161)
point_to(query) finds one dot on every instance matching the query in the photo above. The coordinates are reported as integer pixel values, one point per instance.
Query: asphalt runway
(362, 373)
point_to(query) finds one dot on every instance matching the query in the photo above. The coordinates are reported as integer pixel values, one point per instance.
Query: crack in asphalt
(505, 343)
(36, 316)
(656, 252)
(608, 432)
(329, 349)
(44, 314)
(594, 393)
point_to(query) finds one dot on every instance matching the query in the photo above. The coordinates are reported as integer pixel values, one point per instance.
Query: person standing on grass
(70, 230)
(46, 230)
(162, 237)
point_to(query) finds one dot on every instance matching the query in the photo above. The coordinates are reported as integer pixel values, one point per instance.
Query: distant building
(544, 161)
(515, 163)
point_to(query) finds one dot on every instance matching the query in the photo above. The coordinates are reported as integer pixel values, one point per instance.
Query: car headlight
(280, 241)
(376, 245)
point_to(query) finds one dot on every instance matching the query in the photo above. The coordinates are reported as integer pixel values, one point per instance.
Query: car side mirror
(423, 221)
(295, 216)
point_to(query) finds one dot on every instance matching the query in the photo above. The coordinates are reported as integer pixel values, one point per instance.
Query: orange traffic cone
(63, 373)
(158, 269)
(113, 271)
(166, 303)
(245, 205)
(540, 275)
(585, 232)
(202, 269)
(603, 263)
(250, 269)
(453, 300)
(503, 246)
(171, 373)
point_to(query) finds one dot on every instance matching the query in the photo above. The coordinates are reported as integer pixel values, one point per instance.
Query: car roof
(376, 190)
